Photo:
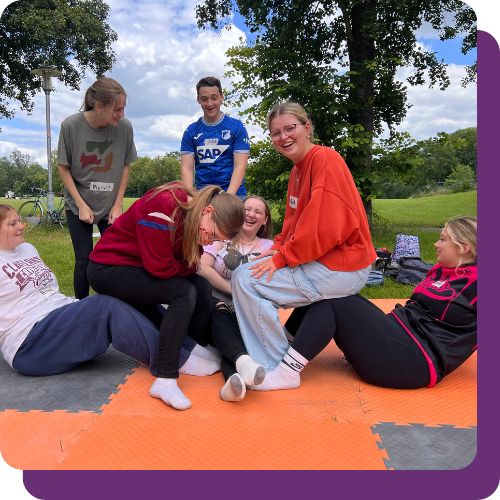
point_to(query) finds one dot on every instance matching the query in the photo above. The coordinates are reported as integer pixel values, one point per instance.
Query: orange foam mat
(297, 429)
(324, 424)
(39, 440)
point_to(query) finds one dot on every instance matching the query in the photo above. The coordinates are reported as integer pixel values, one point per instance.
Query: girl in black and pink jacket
(414, 345)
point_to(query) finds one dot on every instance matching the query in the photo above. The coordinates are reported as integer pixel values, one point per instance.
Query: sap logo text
(210, 154)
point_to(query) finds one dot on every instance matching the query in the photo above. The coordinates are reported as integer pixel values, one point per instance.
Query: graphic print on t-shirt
(210, 151)
(102, 163)
(27, 271)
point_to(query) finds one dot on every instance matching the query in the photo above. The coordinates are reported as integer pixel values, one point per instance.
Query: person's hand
(114, 213)
(267, 253)
(262, 267)
(85, 214)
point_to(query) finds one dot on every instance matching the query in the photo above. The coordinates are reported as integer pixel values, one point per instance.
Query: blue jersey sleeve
(242, 142)
(187, 143)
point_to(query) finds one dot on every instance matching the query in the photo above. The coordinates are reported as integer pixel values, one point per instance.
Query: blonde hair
(4, 210)
(104, 90)
(463, 230)
(265, 230)
(289, 108)
(228, 214)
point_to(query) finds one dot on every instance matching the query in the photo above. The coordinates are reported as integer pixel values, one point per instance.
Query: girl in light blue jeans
(324, 250)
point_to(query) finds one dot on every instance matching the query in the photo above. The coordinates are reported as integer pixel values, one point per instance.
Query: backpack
(375, 278)
(412, 270)
(406, 246)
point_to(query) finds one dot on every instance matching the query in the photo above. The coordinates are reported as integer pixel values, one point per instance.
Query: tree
(404, 167)
(339, 59)
(72, 35)
(146, 173)
(462, 178)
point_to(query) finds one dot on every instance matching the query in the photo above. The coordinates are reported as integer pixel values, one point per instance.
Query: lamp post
(47, 72)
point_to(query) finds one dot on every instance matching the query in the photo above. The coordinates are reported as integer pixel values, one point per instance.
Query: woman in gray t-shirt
(95, 149)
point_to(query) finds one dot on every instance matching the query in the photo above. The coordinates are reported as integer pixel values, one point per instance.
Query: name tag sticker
(101, 186)
(293, 201)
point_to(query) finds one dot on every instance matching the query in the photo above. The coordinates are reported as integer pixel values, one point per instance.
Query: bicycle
(34, 211)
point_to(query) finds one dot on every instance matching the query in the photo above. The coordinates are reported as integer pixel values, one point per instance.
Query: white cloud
(161, 54)
(436, 111)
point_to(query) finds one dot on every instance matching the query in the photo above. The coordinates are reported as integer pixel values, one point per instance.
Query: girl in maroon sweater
(150, 255)
(413, 346)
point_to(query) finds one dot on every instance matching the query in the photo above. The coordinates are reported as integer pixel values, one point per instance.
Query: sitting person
(218, 262)
(413, 346)
(43, 332)
(324, 250)
(150, 256)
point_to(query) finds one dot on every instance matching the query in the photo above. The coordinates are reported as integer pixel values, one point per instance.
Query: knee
(241, 276)
(204, 290)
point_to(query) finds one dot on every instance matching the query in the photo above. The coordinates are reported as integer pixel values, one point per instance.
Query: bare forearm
(187, 170)
(215, 279)
(69, 184)
(239, 169)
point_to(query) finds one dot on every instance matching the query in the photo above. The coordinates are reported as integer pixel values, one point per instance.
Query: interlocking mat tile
(416, 446)
(102, 417)
(85, 389)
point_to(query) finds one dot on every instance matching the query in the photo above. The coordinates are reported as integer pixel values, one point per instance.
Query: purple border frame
(478, 480)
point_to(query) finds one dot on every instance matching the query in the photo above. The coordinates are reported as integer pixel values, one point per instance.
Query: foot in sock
(169, 392)
(207, 352)
(251, 372)
(234, 389)
(279, 378)
(201, 367)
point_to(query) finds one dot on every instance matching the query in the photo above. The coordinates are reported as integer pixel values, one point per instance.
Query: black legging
(226, 336)
(380, 351)
(188, 302)
(81, 237)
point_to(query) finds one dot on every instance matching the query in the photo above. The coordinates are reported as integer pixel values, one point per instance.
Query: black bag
(412, 270)
(383, 259)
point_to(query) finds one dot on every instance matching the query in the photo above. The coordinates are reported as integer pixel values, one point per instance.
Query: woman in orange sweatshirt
(324, 250)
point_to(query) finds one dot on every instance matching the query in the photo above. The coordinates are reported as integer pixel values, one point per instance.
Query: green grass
(428, 211)
(423, 217)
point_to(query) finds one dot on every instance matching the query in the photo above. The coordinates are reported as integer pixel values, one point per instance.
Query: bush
(461, 179)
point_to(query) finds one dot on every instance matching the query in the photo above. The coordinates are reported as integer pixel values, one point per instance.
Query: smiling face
(11, 231)
(112, 113)
(255, 217)
(210, 99)
(290, 137)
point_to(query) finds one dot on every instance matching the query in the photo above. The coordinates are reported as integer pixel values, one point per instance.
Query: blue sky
(161, 55)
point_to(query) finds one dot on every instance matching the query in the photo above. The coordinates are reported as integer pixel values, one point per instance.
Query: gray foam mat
(86, 388)
(417, 447)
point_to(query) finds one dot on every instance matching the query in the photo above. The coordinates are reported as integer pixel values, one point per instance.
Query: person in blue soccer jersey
(214, 149)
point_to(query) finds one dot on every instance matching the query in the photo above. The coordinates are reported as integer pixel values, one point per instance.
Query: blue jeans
(83, 330)
(257, 302)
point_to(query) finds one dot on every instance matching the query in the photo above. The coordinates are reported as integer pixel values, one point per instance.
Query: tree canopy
(72, 35)
(339, 58)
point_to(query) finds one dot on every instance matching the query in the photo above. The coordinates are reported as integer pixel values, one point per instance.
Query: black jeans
(188, 300)
(378, 349)
(226, 337)
(81, 237)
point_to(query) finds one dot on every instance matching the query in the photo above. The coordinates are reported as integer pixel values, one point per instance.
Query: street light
(47, 72)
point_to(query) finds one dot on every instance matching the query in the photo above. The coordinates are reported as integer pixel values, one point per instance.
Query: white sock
(234, 389)
(286, 375)
(201, 367)
(251, 372)
(207, 352)
(169, 392)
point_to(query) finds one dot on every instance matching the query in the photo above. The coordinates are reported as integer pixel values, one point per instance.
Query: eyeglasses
(288, 130)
